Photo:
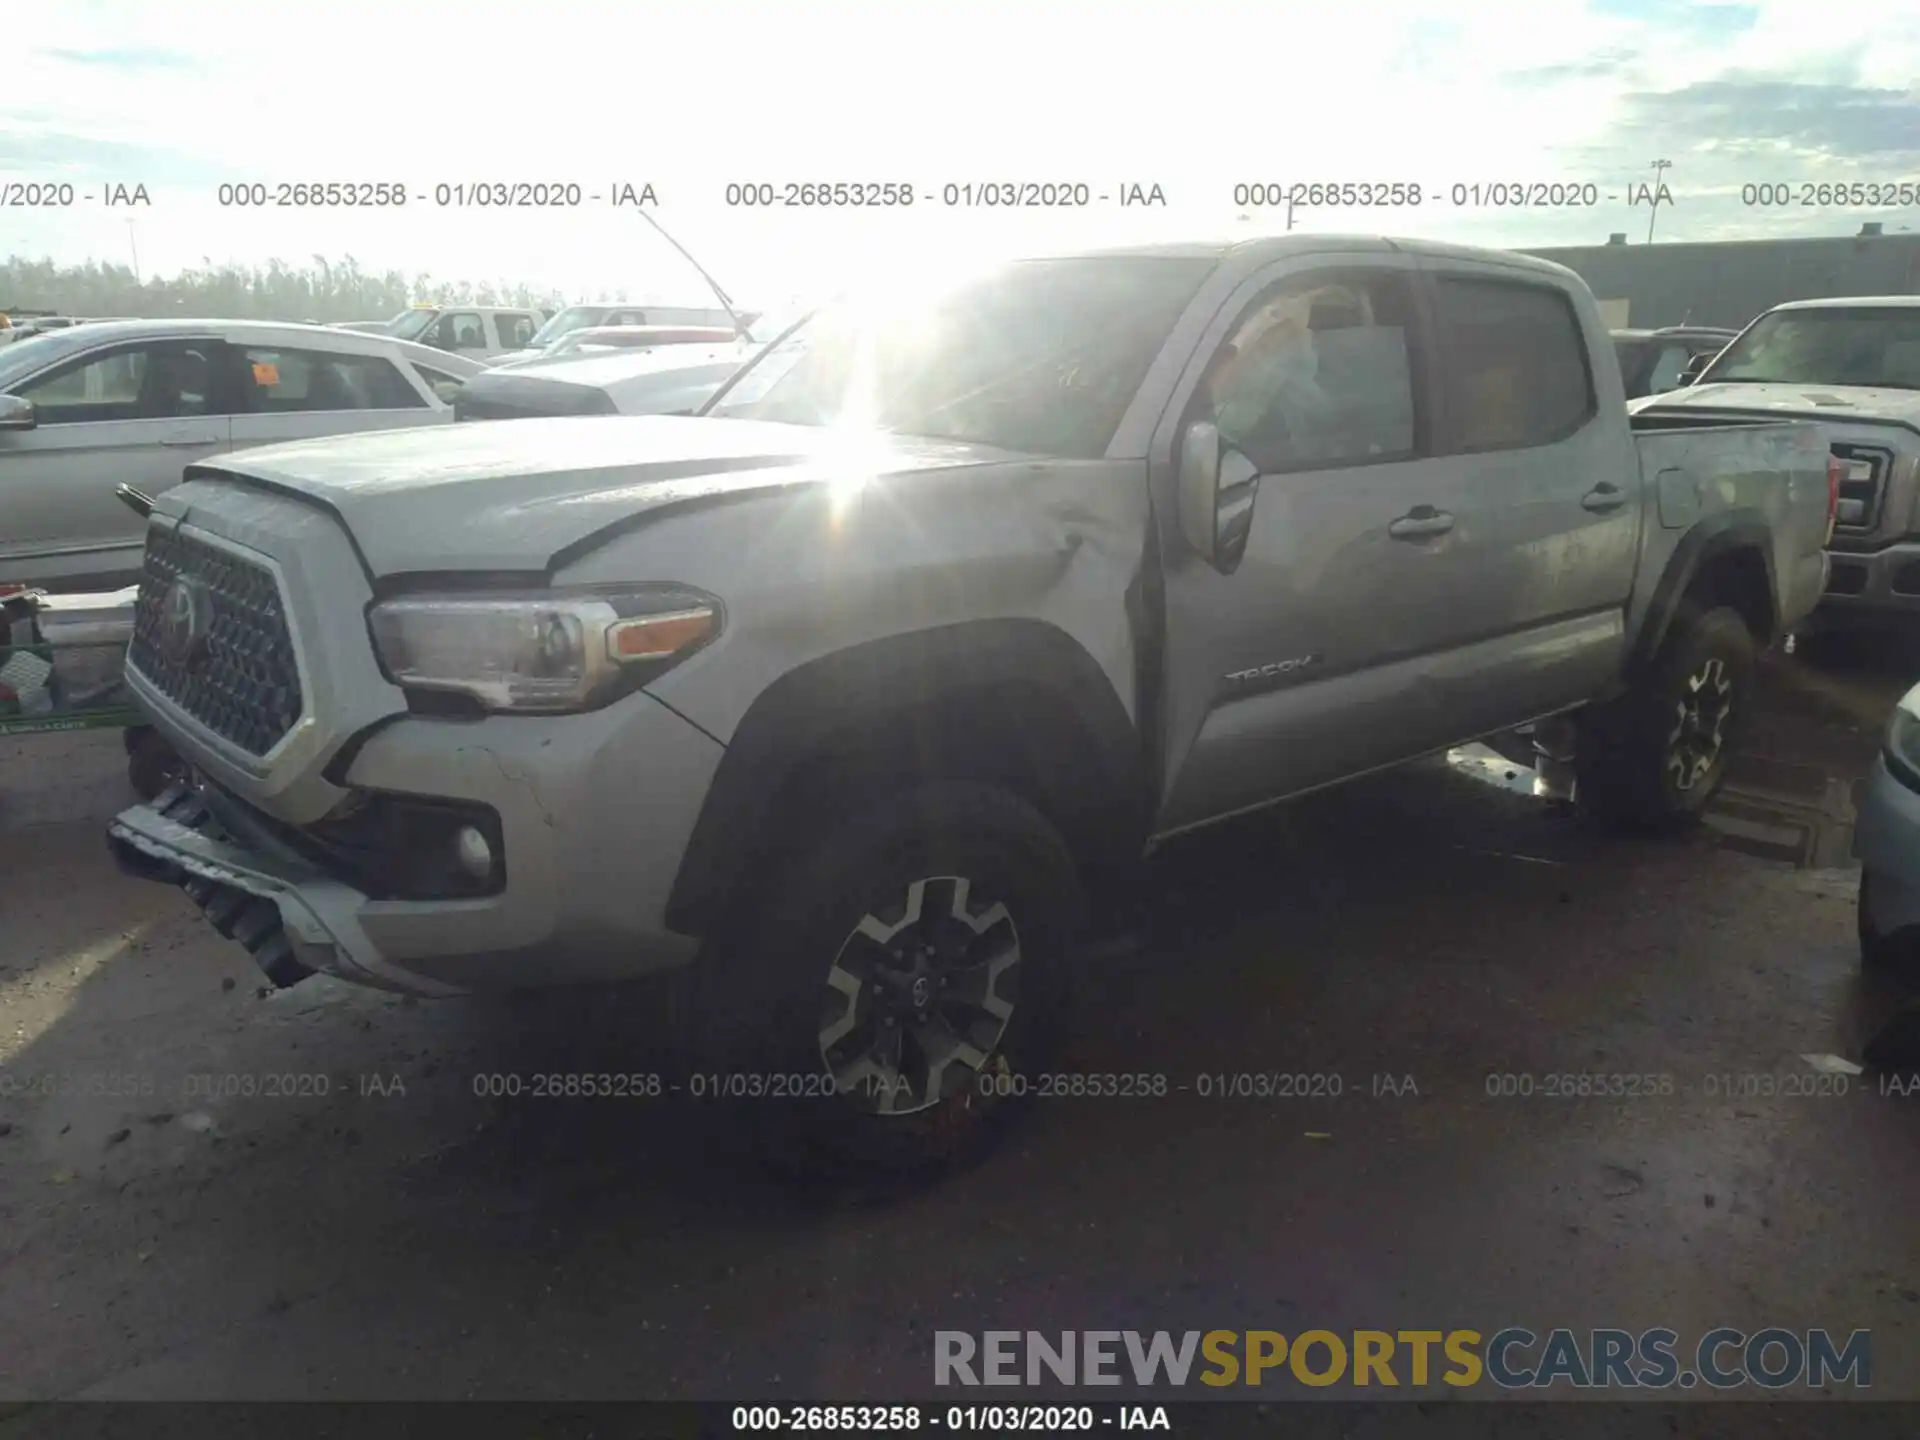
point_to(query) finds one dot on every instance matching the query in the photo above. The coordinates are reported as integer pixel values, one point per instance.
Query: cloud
(134, 57)
(936, 92)
(1768, 116)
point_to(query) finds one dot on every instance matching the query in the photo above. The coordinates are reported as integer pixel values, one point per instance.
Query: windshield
(1040, 356)
(1827, 347)
(411, 324)
(30, 354)
(574, 317)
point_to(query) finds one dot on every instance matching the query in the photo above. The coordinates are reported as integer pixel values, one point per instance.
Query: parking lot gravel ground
(210, 1190)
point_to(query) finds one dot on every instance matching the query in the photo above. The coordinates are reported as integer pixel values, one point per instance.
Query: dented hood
(512, 495)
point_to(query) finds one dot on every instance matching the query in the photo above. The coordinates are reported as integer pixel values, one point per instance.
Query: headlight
(1903, 740)
(538, 652)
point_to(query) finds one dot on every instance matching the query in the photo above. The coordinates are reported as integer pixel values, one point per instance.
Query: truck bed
(1738, 473)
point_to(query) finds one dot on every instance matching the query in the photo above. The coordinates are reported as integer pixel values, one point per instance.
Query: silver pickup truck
(849, 700)
(1854, 366)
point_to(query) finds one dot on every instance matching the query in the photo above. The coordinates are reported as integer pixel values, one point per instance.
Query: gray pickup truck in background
(1853, 365)
(849, 699)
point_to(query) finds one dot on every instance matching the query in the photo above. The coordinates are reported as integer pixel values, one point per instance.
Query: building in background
(1727, 283)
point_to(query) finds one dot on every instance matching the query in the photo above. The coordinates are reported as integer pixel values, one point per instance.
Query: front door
(1304, 658)
(135, 414)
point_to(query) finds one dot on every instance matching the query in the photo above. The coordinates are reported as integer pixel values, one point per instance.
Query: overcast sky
(1193, 97)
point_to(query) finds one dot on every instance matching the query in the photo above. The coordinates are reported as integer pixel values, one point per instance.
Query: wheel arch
(1019, 702)
(1724, 560)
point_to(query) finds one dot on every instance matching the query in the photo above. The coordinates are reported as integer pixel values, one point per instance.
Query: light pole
(134, 246)
(1660, 167)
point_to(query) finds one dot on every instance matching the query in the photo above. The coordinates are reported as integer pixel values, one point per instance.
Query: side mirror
(16, 413)
(1693, 367)
(1217, 487)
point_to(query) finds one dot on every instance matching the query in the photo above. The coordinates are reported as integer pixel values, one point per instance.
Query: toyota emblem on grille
(186, 620)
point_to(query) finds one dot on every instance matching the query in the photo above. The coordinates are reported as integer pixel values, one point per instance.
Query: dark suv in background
(1653, 361)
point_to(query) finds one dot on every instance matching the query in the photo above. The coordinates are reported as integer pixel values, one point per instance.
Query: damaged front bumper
(293, 920)
(593, 814)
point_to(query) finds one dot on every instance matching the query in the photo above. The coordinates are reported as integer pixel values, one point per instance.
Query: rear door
(135, 413)
(1306, 660)
(1533, 431)
(291, 393)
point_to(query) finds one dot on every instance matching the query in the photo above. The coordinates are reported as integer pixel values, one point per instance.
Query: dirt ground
(209, 1190)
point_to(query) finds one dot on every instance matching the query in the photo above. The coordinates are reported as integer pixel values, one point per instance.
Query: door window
(1665, 374)
(286, 382)
(1514, 363)
(516, 331)
(160, 381)
(1318, 373)
(443, 385)
(460, 330)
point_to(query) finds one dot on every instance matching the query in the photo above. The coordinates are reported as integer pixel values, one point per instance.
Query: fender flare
(1729, 532)
(1055, 703)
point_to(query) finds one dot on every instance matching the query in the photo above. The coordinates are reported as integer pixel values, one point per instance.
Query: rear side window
(1514, 362)
(286, 381)
(516, 331)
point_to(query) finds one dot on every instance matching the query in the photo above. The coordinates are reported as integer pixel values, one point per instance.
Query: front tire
(905, 966)
(1654, 759)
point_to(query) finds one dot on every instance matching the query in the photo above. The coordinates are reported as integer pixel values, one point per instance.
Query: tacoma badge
(1274, 670)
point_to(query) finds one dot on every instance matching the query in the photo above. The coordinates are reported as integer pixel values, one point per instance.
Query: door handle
(1603, 497)
(1421, 522)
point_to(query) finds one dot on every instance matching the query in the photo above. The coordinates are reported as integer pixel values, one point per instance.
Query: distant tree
(326, 291)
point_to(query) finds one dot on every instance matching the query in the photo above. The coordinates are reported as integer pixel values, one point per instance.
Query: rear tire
(905, 967)
(1653, 760)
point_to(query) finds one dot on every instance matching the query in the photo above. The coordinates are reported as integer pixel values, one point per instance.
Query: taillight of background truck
(1836, 472)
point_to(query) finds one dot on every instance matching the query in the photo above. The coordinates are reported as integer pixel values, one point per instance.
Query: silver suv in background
(849, 700)
(87, 409)
(583, 317)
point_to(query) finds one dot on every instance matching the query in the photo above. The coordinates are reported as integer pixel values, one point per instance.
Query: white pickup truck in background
(1853, 365)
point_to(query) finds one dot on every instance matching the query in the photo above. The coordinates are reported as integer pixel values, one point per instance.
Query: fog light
(474, 853)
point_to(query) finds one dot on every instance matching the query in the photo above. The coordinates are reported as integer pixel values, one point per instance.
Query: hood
(669, 380)
(511, 357)
(612, 372)
(1814, 402)
(512, 495)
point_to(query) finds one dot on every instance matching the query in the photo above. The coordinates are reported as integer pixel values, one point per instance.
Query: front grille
(1846, 577)
(237, 676)
(1862, 488)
